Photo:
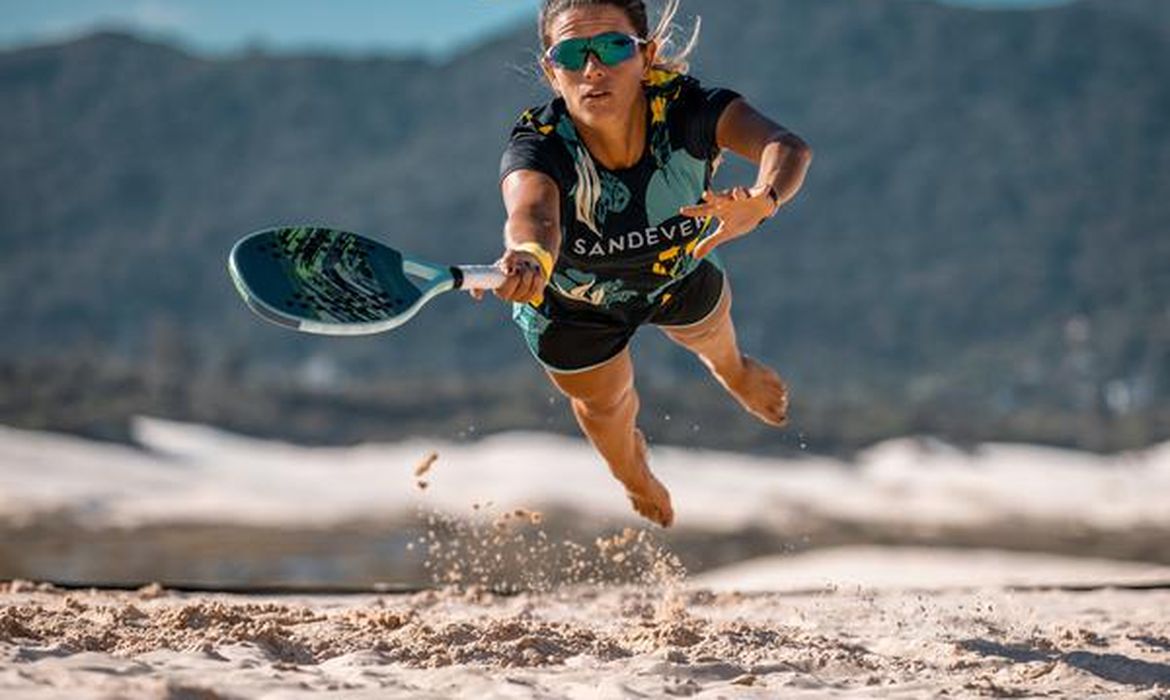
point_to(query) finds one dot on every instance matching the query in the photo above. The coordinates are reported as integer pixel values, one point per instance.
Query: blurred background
(980, 255)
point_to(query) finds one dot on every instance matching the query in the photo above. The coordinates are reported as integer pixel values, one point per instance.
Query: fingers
(530, 279)
(736, 209)
(524, 279)
(511, 288)
(705, 208)
(715, 202)
(710, 242)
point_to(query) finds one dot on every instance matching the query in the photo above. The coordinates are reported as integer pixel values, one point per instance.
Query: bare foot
(760, 390)
(647, 494)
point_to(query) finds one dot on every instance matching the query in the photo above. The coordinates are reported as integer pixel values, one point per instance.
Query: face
(597, 93)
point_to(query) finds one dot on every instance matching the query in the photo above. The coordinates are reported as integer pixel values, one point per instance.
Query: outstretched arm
(532, 200)
(783, 160)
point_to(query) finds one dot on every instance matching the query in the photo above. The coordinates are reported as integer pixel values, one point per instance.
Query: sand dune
(198, 504)
(195, 473)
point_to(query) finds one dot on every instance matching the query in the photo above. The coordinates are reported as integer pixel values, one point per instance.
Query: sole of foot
(649, 497)
(761, 392)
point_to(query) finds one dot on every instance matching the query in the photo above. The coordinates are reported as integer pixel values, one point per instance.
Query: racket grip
(479, 277)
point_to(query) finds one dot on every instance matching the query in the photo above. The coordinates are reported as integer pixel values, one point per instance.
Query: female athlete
(612, 225)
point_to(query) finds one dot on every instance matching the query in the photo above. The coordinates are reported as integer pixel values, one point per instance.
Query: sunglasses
(611, 48)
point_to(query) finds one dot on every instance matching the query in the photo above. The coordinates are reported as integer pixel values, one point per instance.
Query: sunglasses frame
(589, 49)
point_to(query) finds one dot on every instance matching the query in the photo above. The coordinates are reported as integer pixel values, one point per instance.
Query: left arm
(783, 160)
(782, 156)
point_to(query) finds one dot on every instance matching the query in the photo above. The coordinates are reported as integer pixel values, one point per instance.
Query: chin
(601, 112)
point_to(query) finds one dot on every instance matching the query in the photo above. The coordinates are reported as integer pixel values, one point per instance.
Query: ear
(649, 55)
(549, 76)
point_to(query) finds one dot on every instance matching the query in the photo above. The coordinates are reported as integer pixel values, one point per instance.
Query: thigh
(600, 384)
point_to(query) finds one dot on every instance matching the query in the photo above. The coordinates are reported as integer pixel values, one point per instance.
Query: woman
(610, 221)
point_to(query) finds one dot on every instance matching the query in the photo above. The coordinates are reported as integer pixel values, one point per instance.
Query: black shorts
(566, 335)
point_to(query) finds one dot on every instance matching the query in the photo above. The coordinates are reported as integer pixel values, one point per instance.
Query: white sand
(590, 643)
(847, 622)
(911, 568)
(202, 474)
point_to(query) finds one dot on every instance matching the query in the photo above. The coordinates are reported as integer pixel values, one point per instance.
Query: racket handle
(478, 277)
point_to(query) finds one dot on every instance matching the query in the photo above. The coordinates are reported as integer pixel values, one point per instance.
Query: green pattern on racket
(322, 280)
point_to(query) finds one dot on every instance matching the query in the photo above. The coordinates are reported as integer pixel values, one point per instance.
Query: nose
(593, 65)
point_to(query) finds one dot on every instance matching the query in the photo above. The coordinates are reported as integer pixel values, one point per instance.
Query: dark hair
(635, 10)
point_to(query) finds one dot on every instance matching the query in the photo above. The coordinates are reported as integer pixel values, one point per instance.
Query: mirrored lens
(610, 48)
(570, 53)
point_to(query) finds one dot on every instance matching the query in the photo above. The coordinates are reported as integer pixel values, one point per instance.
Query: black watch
(775, 203)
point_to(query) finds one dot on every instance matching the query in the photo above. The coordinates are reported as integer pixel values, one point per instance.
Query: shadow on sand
(1111, 667)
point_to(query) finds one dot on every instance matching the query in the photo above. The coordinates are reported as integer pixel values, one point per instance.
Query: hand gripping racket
(321, 280)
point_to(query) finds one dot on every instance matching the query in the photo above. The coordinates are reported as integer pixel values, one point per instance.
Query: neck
(619, 144)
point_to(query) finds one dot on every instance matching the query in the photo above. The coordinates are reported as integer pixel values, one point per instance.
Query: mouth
(596, 95)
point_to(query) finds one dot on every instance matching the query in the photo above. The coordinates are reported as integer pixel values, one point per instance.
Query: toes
(769, 399)
(774, 420)
(772, 415)
(652, 512)
(667, 517)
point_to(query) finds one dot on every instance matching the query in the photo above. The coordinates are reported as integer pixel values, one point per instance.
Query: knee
(697, 335)
(709, 330)
(604, 404)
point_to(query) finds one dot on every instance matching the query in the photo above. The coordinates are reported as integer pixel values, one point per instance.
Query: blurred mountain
(1151, 12)
(984, 227)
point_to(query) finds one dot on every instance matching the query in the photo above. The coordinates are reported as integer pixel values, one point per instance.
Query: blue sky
(433, 26)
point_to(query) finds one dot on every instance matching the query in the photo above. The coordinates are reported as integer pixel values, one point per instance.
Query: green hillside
(982, 245)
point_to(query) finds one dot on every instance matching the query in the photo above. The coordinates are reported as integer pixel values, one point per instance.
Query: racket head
(322, 280)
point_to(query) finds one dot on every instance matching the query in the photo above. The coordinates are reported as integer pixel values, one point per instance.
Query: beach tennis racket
(321, 280)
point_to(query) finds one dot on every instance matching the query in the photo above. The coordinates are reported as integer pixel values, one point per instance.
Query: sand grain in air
(425, 464)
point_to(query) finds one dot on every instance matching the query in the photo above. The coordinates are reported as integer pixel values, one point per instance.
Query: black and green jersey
(623, 241)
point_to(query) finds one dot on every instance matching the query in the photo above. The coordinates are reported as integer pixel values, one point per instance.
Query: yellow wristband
(542, 256)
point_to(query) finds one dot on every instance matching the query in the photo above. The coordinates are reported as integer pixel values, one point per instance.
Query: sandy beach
(620, 642)
(915, 570)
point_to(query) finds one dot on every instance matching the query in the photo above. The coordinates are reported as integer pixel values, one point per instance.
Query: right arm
(533, 202)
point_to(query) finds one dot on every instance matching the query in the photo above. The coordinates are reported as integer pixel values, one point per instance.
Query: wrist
(539, 252)
(773, 199)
